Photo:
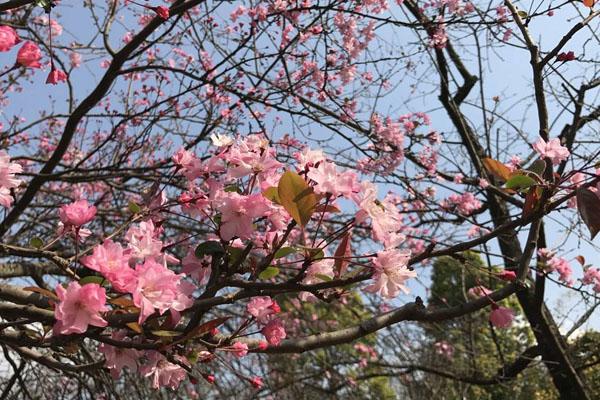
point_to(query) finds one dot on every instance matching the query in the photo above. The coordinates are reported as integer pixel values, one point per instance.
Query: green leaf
(235, 253)
(519, 182)
(210, 248)
(134, 207)
(297, 197)
(537, 167)
(324, 278)
(36, 242)
(285, 251)
(92, 279)
(232, 188)
(316, 254)
(268, 273)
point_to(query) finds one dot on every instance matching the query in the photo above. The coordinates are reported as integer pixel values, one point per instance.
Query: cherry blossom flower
(239, 349)
(552, 150)
(8, 38)
(159, 288)
(162, 12)
(161, 371)
(119, 357)
(390, 273)
(262, 308)
(274, 332)
(112, 261)
(507, 275)
(55, 76)
(29, 55)
(330, 181)
(478, 291)
(78, 307)
(77, 213)
(501, 317)
(444, 348)
(8, 180)
(75, 59)
(195, 268)
(238, 213)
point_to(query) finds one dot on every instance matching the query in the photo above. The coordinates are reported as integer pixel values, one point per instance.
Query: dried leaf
(497, 169)
(588, 205)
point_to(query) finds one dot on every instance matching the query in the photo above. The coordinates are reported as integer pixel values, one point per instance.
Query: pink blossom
(330, 181)
(8, 38)
(466, 203)
(77, 213)
(239, 349)
(478, 291)
(238, 213)
(552, 150)
(111, 260)
(119, 357)
(29, 55)
(8, 180)
(444, 348)
(75, 59)
(262, 308)
(256, 382)
(274, 332)
(161, 371)
(159, 288)
(195, 268)
(142, 241)
(501, 317)
(78, 307)
(390, 273)
(55, 76)
(386, 220)
(507, 275)
(563, 268)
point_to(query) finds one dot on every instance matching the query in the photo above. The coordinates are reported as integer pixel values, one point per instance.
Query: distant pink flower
(444, 348)
(262, 308)
(158, 288)
(501, 317)
(55, 76)
(563, 268)
(77, 214)
(161, 371)
(119, 357)
(78, 307)
(390, 273)
(29, 55)
(274, 332)
(256, 382)
(507, 275)
(111, 260)
(8, 180)
(162, 12)
(465, 204)
(552, 150)
(478, 291)
(75, 59)
(8, 38)
(239, 349)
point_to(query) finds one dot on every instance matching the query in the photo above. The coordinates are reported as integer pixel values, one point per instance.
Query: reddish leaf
(342, 251)
(531, 201)
(588, 3)
(588, 205)
(580, 260)
(496, 168)
(134, 326)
